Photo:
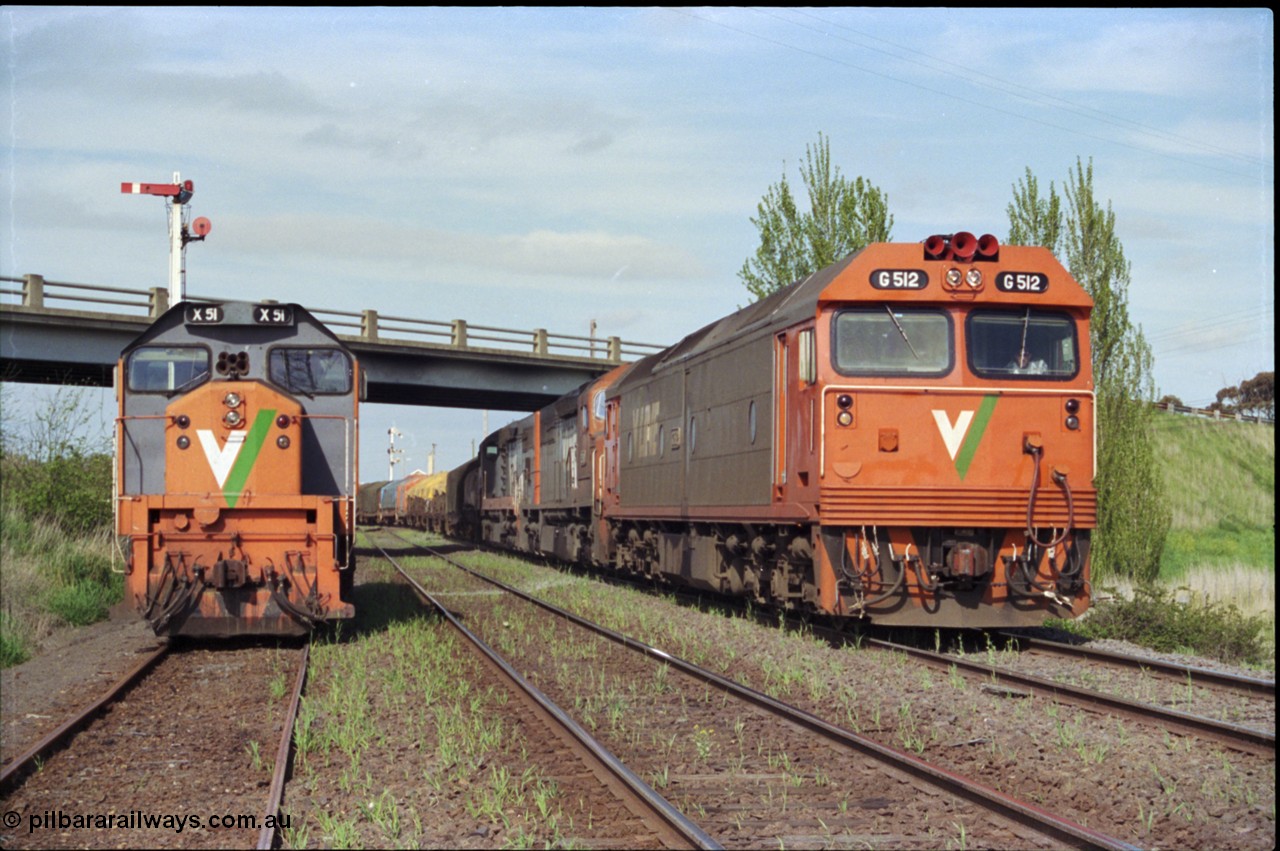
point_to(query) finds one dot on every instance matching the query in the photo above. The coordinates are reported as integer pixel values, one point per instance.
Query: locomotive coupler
(229, 573)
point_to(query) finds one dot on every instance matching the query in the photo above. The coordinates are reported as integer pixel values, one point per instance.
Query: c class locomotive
(906, 436)
(236, 469)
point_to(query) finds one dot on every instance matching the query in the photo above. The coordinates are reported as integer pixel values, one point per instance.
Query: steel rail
(1232, 735)
(266, 838)
(1021, 812)
(17, 768)
(677, 828)
(1250, 686)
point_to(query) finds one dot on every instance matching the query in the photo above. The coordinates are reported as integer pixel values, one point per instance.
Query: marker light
(182, 420)
(1073, 422)
(183, 442)
(845, 401)
(1073, 406)
(844, 418)
(283, 441)
(282, 421)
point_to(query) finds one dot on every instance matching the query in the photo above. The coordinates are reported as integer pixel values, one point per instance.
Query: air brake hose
(848, 575)
(1060, 479)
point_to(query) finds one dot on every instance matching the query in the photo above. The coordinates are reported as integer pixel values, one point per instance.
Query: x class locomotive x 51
(236, 469)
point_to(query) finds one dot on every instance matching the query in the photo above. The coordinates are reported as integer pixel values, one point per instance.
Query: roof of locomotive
(235, 322)
(859, 271)
(849, 280)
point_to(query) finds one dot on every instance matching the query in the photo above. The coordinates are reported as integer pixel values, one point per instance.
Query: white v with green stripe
(962, 437)
(232, 463)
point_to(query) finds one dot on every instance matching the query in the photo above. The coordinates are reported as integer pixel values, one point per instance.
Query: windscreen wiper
(897, 325)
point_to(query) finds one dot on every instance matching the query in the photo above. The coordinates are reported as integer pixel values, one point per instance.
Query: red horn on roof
(935, 248)
(988, 247)
(963, 245)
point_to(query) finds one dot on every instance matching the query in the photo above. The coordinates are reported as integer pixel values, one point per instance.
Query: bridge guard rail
(36, 292)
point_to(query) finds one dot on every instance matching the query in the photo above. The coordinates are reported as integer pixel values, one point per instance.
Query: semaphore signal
(179, 194)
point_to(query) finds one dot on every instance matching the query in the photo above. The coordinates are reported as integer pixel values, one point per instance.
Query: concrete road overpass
(407, 361)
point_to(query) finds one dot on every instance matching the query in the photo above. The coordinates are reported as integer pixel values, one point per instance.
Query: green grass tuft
(13, 649)
(82, 602)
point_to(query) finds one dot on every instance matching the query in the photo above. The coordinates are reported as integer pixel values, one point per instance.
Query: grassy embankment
(1216, 593)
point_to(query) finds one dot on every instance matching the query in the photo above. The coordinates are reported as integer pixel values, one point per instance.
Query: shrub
(1155, 618)
(50, 576)
(81, 603)
(73, 491)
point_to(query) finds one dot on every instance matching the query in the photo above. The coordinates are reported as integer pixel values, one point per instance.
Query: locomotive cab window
(889, 340)
(1035, 344)
(167, 369)
(310, 372)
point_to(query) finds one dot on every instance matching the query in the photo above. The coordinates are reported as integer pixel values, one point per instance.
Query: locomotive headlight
(232, 418)
(844, 418)
(973, 278)
(232, 400)
(283, 441)
(954, 278)
(184, 442)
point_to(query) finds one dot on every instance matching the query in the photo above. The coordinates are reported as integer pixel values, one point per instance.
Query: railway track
(1252, 700)
(1253, 687)
(177, 752)
(798, 743)
(1234, 736)
(668, 826)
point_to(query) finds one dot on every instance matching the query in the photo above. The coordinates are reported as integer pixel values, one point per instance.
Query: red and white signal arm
(166, 189)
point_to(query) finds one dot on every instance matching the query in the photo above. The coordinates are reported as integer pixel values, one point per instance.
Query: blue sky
(548, 167)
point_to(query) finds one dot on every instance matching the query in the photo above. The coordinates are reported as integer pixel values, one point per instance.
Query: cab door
(795, 415)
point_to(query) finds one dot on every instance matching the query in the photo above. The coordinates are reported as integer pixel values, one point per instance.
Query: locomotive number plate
(899, 279)
(210, 314)
(272, 314)
(1022, 282)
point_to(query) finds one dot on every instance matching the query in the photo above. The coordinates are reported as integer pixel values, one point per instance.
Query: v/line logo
(232, 463)
(963, 436)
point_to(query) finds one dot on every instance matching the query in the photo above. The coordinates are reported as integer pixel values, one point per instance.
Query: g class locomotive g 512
(906, 436)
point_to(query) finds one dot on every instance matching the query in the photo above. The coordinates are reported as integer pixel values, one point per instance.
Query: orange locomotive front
(905, 436)
(955, 460)
(236, 470)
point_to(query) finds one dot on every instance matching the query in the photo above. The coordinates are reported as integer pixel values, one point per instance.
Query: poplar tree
(1133, 511)
(843, 216)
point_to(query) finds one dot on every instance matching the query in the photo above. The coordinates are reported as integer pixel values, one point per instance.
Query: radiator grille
(986, 507)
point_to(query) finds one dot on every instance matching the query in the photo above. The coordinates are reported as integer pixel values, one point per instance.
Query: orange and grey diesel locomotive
(905, 436)
(236, 469)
